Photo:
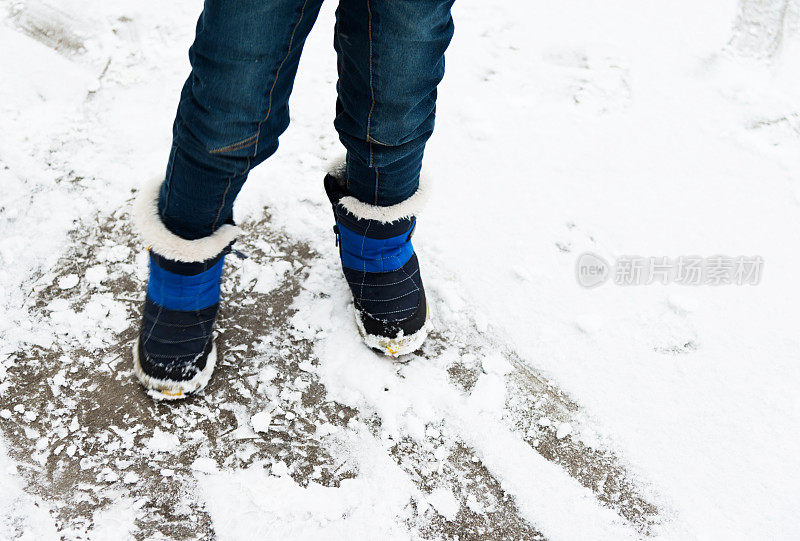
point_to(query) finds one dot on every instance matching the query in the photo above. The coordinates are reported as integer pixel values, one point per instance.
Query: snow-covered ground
(538, 408)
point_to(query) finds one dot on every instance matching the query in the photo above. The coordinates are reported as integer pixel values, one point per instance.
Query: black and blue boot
(174, 355)
(381, 268)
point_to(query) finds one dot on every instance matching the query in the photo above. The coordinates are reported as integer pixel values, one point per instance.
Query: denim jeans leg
(232, 108)
(390, 61)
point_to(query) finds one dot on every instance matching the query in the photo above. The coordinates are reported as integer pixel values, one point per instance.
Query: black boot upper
(381, 268)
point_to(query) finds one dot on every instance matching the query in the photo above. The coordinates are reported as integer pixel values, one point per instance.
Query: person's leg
(390, 60)
(233, 106)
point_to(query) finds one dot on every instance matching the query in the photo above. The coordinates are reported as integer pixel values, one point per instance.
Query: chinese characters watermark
(592, 270)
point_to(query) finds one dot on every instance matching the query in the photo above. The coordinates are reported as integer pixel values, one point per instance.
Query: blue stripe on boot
(360, 252)
(178, 317)
(179, 292)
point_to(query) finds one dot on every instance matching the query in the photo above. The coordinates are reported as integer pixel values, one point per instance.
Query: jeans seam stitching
(277, 75)
(168, 177)
(371, 139)
(377, 180)
(235, 146)
(225, 194)
(371, 85)
(347, 173)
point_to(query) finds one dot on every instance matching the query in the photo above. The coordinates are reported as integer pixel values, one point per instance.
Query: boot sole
(161, 389)
(399, 345)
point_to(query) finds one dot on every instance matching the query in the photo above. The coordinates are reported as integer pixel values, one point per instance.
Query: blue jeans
(234, 105)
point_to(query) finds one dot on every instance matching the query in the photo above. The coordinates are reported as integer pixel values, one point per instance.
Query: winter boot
(175, 354)
(381, 268)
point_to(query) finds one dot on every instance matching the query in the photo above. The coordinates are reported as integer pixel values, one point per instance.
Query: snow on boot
(175, 354)
(381, 268)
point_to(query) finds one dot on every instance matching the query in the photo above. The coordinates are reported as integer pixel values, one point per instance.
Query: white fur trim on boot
(166, 243)
(405, 209)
